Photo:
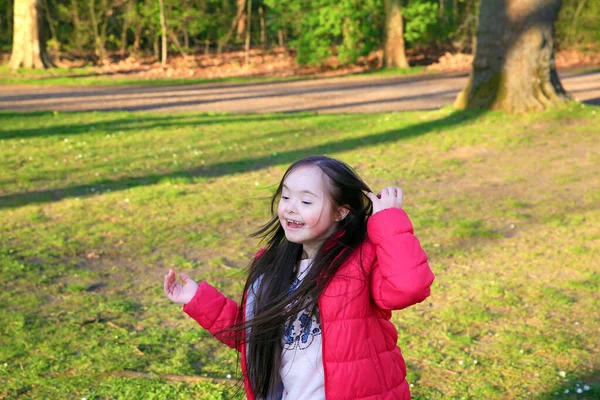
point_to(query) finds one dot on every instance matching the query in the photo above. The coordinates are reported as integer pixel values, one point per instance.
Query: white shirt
(301, 359)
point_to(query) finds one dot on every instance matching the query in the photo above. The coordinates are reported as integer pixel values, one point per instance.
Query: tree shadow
(129, 124)
(581, 387)
(240, 165)
(335, 84)
(593, 102)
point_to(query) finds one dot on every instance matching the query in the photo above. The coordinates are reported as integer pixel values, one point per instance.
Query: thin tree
(513, 68)
(393, 50)
(163, 32)
(248, 32)
(28, 49)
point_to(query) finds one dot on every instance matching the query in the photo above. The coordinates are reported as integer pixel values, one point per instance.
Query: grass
(95, 207)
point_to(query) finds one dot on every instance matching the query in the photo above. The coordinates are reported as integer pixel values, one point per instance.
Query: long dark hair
(273, 271)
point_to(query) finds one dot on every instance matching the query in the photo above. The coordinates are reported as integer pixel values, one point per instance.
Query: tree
(163, 32)
(393, 53)
(28, 45)
(513, 68)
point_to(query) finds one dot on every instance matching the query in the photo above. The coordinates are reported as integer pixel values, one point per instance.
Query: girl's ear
(342, 212)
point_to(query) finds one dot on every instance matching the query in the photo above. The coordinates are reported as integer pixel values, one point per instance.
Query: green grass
(95, 207)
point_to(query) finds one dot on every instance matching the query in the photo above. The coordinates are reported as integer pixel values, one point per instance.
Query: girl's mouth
(293, 223)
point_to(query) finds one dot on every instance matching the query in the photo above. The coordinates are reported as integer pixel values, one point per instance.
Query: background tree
(28, 49)
(315, 31)
(393, 48)
(514, 68)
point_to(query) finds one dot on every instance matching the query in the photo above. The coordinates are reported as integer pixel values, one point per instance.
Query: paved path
(331, 95)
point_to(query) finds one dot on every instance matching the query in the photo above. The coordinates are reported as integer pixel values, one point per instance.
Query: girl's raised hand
(177, 292)
(388, 197)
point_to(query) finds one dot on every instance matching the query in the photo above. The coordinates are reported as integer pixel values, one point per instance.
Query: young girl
(314, 320)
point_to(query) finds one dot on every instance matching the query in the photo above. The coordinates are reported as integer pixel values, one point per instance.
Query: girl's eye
(306, 202)
(284, 198)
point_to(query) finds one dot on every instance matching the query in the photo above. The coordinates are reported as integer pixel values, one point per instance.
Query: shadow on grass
(581, 387)
(241, 165)
(145, 122)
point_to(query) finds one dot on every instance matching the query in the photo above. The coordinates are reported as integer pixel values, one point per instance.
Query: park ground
(97, 206)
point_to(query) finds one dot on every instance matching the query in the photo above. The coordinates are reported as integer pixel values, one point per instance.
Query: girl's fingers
(372, 197)
(184, 277)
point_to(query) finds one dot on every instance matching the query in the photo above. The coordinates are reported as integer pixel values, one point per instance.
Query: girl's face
(305, 211)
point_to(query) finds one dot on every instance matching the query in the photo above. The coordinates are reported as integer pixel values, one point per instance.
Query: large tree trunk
(513, 68)
(28, 46)
(393, 52)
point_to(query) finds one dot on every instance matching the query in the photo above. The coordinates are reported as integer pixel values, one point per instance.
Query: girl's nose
(291, 207)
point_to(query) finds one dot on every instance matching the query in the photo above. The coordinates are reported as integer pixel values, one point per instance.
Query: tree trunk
(263, 30)
(126, 23)
(248, 32)
(513, 68)
(27, 47)
(240, 14)
(76, 25)
(241, 18)
(393, 51)
(163, 30)
(97, 40)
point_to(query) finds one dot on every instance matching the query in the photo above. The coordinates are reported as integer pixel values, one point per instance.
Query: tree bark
(263, 30)
(393, 52)
(241, 19)
(240, 14)
(163, 30)
(513, 68)
(28, 46)
(248, 32)
(76, 25)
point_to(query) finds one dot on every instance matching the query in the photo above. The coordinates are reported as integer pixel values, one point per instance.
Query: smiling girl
(314, 319)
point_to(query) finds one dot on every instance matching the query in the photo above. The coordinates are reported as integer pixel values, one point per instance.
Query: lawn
(96, 207)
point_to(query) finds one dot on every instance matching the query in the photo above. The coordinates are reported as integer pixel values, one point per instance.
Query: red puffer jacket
(360, 357)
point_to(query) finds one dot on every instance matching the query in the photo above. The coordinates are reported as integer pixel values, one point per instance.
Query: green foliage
(578, 24)
(322, 28)
(316, 30)
(420, 17)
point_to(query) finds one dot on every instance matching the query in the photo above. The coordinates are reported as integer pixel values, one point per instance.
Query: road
(331, 95)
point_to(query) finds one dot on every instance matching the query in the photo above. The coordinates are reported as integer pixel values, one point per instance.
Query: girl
(314, 320)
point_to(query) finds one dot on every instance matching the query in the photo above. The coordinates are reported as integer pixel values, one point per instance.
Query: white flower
(475, 362)
(566, 391)
(126, 200)
(460, 362)
(256, 183)
(585, 387)
(228, 376)
(562, 374)
(579, 391)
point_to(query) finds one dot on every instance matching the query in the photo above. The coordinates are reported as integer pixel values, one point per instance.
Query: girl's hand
(388, 197)
(177, 292)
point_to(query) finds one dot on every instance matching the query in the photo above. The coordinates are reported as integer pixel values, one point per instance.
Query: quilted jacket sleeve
(214, 312)
(401, 275)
